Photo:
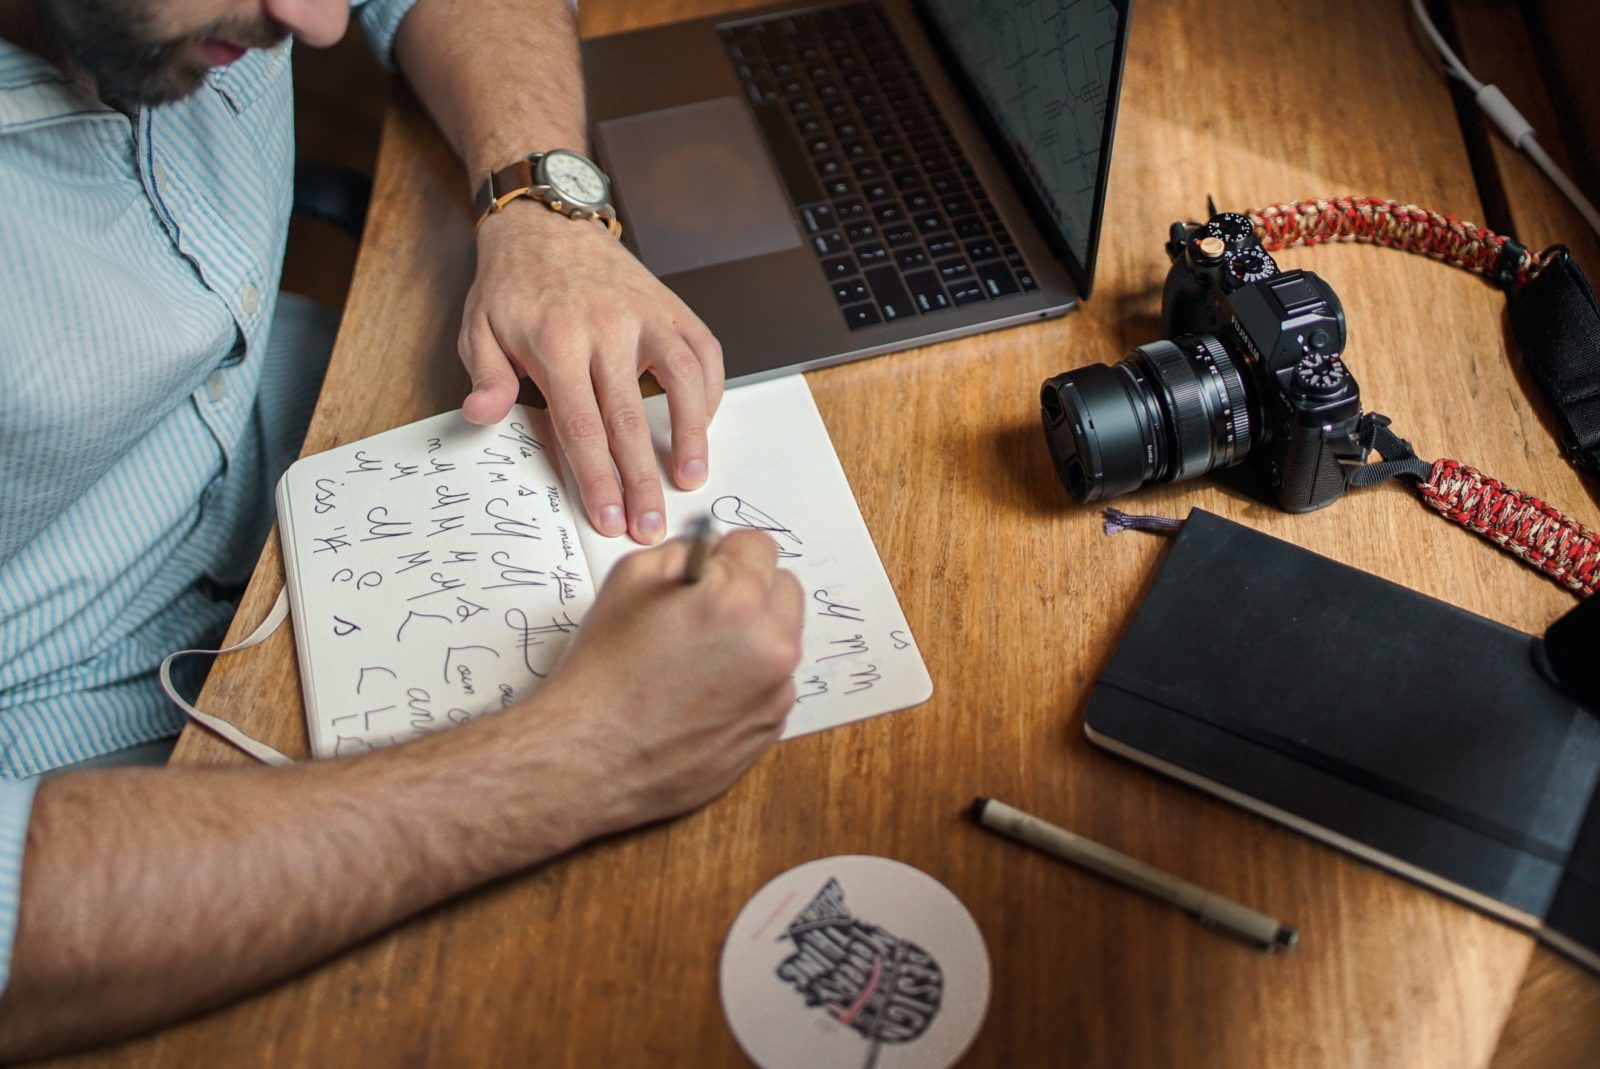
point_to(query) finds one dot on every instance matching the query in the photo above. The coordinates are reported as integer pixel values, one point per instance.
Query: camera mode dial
(1249, 265)
(1320, 375)
(1234, 229)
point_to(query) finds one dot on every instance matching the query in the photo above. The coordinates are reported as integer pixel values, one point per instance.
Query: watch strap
(516, 179)
(502, 187)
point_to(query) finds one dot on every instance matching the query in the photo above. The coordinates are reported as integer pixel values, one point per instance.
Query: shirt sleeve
(16, 805)
(381, 21)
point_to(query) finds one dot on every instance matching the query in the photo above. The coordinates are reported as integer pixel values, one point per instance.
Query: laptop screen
(1046, 73)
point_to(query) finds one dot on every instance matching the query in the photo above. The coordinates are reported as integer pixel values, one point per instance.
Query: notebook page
(435, 575)
(773, 468)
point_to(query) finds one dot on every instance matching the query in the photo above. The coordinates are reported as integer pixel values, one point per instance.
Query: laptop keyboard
(883, 192)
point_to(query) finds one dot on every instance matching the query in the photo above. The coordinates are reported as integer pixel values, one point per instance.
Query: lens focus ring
(1187, 407)
(1237, 415)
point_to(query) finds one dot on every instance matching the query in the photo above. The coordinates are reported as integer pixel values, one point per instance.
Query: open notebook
(436, 571)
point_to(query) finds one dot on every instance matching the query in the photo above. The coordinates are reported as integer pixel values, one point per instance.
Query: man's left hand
(564, 303)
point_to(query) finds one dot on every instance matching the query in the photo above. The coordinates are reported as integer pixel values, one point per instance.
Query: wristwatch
(562, 181)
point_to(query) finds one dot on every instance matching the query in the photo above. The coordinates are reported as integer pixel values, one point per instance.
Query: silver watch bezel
(542, 177)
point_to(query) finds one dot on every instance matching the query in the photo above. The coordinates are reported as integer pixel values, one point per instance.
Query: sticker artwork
(885, 988)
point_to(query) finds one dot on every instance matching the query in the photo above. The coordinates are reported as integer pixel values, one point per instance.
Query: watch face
(575, 179)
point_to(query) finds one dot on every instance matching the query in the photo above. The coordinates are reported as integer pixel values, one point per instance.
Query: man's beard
(114, 42)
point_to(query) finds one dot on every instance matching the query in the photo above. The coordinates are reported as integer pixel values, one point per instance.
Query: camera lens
(1170, 410)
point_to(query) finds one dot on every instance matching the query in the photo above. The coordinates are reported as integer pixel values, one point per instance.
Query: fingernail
(611, 520)
(694, 472)
(652, 526)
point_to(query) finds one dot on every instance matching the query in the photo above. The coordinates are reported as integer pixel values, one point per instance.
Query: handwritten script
(439, 570)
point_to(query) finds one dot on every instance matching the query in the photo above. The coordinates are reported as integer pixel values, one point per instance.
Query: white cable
(1563, 183)
(1516, 128)
(1451, 61)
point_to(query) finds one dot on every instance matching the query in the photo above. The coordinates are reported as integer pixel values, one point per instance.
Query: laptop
(837, 181)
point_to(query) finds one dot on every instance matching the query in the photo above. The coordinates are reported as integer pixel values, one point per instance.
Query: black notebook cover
(1403, 729)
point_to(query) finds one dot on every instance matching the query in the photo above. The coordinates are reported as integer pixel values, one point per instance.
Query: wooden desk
(609, 957)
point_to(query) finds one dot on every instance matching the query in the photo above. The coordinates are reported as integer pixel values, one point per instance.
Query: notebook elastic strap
(254, 747)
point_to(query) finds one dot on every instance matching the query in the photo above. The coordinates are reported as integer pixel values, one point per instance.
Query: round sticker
(854, 961)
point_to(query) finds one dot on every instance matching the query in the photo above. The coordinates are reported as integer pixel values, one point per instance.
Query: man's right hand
(677, 688)
(668, 692)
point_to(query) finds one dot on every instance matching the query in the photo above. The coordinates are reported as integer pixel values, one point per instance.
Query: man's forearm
(502, 78)
(151, 894)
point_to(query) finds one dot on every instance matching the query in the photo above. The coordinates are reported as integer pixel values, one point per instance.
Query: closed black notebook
(1412, 733)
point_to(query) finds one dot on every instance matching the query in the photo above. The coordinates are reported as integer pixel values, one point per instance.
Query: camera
(1250, 367)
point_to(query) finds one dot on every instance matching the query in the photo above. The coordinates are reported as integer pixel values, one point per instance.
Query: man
(149, 393)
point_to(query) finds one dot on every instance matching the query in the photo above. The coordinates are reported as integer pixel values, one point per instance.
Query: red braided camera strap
(1519, 523)
(1373, 221)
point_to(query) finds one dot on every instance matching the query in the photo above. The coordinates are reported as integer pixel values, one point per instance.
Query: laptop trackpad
(696, 186)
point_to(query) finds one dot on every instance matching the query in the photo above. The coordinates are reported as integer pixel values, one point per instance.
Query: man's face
(158, 51)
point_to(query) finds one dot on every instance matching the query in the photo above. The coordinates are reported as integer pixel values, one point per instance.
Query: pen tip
(1286, 938)
(975, 810)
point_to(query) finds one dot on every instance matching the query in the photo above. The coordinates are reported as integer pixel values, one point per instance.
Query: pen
(700, 539)
(1212, 910)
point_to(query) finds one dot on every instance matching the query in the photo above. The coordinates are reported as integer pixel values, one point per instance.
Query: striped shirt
(152, 387)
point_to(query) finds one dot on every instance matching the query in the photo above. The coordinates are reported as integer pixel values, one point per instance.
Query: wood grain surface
(608, 957)
(1554, 1022)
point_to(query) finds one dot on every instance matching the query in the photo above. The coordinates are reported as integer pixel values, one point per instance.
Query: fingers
(686, 359)
(628, 435)
(748, 551)
(600, 420)
(679, 371)
(789, 599)
(744, 553)
(494, 380)
(774, 603)
(586, 358)
(575, 414)
(708, 353)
